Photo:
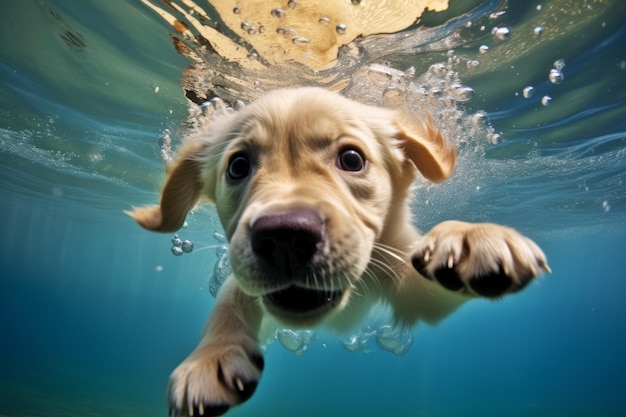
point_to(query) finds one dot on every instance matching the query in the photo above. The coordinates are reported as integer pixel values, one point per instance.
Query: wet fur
(370, 250)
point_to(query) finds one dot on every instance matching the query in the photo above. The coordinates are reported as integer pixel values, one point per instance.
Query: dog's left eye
(350, 160)
(238, 167)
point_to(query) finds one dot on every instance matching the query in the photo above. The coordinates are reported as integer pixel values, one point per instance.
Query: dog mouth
(302, 305)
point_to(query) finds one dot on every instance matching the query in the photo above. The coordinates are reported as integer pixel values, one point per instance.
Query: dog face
(305, 183)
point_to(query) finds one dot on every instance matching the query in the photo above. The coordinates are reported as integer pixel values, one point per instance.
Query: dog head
(306, 183)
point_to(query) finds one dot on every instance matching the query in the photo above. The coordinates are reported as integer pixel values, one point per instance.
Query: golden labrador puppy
(313, 191)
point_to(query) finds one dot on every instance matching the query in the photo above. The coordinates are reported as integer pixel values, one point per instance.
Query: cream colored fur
(368, 249)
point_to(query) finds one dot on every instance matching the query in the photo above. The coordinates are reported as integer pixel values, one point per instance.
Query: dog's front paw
(215, 377)
(483, 259)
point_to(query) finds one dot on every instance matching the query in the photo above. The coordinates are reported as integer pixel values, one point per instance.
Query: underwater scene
(96, 96)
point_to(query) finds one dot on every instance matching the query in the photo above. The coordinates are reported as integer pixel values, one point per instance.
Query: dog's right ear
(183, 189)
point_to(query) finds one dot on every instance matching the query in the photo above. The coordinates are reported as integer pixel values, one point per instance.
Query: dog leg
(484, 260)
(225, 367)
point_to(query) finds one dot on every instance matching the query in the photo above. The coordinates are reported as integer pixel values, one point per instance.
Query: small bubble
(341, 28)
(463, 93)
(539, 7)
(185, 224)
(479, 119)
(292, 4)
(248, 28)
(278, 12)
(555, 76)
(538, 30)
(324, 20)
(237, 10)
(156, 89)
(301, 40)
(356, 2)
(483, 48)
(528, 92)
(501, 32)
(177, 251)
(605, 206)
(496, 15)
(438, 69)
(158, 268)
(559, 64)
(472, 63)
(546, 100)
(176, 241)
(187, 246)
(495, 138)
(324, 346)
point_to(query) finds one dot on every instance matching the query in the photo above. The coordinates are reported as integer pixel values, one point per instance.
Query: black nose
(287, 241)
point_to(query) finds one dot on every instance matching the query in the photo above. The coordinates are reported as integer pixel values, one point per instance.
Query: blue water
(95, 312)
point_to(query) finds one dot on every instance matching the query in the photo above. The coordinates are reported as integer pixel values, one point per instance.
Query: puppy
(313, 190)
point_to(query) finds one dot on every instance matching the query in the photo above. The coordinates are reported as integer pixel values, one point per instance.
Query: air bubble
(472, 63)
(296, 341)
(176, 241)
(177, 251)
(605, 206)
(341, 28)
(538, 30)
(559, 64)
(278, 13)
(546, 100)
(292, 4)
(394, 340)
(528, 92)
(555, 76)
(483, 48)
(237, 10)
(501, 32)
(248, 28)
(324, 20)
(438, 69)
(301, 40)
(356, 2)
(187, 246)
(462, 93)
(495, 138)
(479, 119)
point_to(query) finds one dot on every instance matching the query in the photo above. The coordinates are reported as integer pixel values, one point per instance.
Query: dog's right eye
(238, 167)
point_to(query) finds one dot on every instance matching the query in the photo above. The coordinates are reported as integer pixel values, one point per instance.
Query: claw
(426, 256)
(239, 384)
(450, 261)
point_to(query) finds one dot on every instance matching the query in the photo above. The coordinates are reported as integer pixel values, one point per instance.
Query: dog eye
(238, 167)
(350, 160)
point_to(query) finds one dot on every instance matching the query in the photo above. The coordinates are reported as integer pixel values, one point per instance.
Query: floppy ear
(182, 191)
(424, 145)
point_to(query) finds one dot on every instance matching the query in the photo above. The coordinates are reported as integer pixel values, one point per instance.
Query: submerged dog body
(312, 190)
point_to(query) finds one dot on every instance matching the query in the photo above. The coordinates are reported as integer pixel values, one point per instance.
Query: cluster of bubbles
(386, 337)
(555, 75)
(280, 13)
(180, 246)
(396, 340)
(503, 32)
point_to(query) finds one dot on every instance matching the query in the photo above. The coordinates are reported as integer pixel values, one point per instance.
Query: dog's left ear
(423, 144)
(183, 189)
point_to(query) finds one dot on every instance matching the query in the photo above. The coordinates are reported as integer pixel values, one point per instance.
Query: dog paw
(214, 378)
(487, 260)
